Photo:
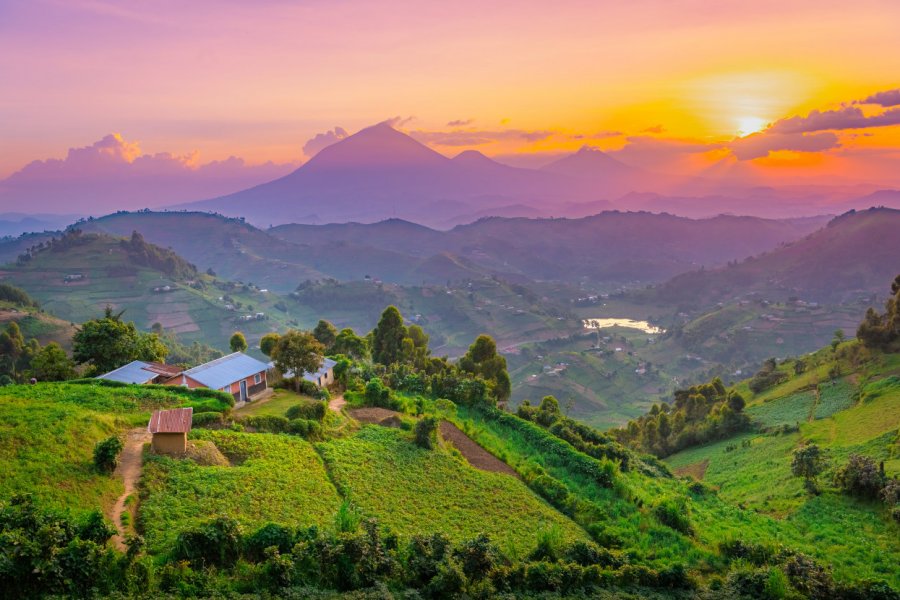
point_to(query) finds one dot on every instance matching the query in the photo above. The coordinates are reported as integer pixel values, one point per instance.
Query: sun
(748, 125)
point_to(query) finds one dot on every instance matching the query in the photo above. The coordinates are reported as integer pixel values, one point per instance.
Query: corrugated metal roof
(314, 377)
(177, 420)
(224, 371)
(134, 372)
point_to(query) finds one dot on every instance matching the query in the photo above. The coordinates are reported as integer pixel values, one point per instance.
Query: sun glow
(748, 125)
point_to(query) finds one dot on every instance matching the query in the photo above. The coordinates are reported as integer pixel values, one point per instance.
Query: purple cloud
(761, 144)
(846, 117)
(462, 137)
(460, 123)
(323, 140)
(654, 129)
(886, 99)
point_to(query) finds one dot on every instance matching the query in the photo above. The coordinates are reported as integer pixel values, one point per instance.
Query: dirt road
(129, 470)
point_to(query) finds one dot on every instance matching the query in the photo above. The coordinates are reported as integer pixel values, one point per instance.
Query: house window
(257, 378)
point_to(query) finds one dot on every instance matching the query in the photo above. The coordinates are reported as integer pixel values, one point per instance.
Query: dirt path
(129, 470)
(337, 403)
(477, 456)
(697, 470)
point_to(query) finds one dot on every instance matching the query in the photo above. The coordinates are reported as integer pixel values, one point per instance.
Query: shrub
(310, 430)
(269, 535)
(267, 423)
(673, 513)
(216, 543)
(426, 432)
(106, 454)
(860, 477)
(314, 411)
(204, 419)
(756, 554)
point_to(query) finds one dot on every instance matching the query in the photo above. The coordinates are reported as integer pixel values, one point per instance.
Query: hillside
(847, 260)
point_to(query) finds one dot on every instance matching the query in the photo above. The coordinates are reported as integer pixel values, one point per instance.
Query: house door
(243, 390)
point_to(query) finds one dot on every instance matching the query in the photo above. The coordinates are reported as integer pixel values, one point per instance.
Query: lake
(630, 323)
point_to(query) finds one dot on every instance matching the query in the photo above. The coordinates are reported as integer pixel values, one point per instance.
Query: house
(322, 378)
(141, 372)
(169, 429)
(240, 375)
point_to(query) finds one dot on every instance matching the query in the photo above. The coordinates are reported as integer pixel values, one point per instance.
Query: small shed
(169, 429)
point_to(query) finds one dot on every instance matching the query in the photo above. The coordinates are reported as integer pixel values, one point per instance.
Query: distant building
(141, 372)
(170, 429)
(240, 375)
(322, 378)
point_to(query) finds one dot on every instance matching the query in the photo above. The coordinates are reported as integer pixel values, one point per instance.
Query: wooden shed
(170, 429)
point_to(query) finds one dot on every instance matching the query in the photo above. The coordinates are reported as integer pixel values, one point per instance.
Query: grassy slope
(753, 469)
(48, 433)
(411, 490)
(275, 478)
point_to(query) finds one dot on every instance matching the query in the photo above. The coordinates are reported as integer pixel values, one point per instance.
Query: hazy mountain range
(381, 173)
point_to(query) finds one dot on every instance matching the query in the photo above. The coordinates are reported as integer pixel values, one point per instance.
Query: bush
(267, 423)
(314, 411)
(426, 432)
(673, 513)
(860, 477)
(310, 430)
(204, 419)
(216, 543)
(267, 536)
(106, 454)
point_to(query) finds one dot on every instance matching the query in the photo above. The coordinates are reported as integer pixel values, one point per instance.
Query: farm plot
(787, 410)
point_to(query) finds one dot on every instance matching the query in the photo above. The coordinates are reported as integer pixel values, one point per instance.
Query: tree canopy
(388, 336)
(296, 353)
(109, 342)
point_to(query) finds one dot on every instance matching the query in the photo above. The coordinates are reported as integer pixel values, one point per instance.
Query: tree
(237, 343)
(837, 339)
(106, 454)
(482, 359)
(426, 432)
(12, 348)
(108, 343)
(326, 333)
(296, 353)
(882, 331)
(51, 363)
(808, 462)
(268, 342)
(387, 337)
(347, 342)
(860, 477)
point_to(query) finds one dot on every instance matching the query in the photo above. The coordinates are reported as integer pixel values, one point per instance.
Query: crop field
(274, 478)
(834, 396)
(411, 491)
(788, 410)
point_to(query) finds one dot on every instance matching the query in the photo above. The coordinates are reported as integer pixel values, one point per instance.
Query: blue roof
(224, 371)
(134, 372)
(314, 377)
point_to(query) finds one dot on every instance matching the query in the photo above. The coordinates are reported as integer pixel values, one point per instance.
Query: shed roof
(177, 420)
(313, 377)
(224, 371)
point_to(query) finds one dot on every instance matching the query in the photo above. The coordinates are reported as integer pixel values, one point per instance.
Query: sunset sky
(671, 84)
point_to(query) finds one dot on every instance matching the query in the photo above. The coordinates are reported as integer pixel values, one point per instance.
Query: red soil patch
(477, 456)
(373, 415)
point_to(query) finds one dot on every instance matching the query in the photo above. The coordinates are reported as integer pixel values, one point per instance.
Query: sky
(794, 91)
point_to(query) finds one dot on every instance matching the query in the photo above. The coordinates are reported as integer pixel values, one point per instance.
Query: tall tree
(296, 353)
(326, 333)
(268, 342)
(482, 359)
(237, 343)
(347, 342)
(387, 337)
(12, 348)
(882, 331)
(109, 342)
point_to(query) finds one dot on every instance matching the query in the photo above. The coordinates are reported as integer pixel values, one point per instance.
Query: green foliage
(205, 419)
(767, 377)
(237, 342)
(699, 414)
(268, 342)
(326, 333)
(298, 352)
(860, 477)
(808, 462)
(482, 360)
(426, 432)
(388, 336)
(882, 331)
(106, 454)
(216, 543)
(314, 411)
(673, 512)
(161, 259)
(350, 344)
(108, 343)
(52, 363)
(16, 296)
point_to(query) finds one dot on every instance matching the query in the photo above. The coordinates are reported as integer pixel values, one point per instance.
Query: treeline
(22, 360)
(17, 296)
(149, 255)
(882, 331)
(699, 414)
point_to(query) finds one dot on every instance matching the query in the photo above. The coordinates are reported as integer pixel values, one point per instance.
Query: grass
(275, 478)
(277, 404)
(834, 397)
(415, 491)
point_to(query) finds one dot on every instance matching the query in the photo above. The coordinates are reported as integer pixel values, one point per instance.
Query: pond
(630, 323)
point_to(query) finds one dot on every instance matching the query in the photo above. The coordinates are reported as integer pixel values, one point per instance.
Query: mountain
(847, 260)
(380, 172)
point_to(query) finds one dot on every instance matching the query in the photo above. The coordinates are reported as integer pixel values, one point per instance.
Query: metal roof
(314, 377)
(134, 372)
(177, 420)
(224, 371)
